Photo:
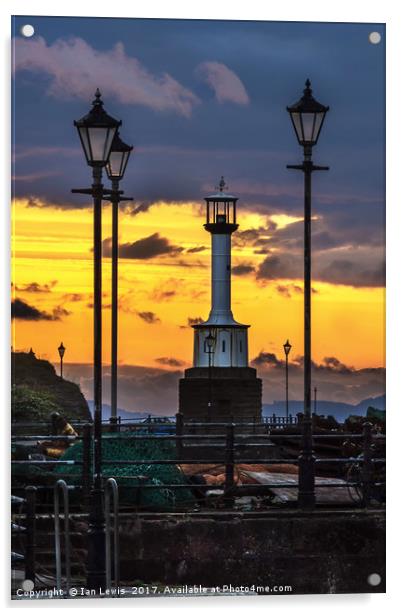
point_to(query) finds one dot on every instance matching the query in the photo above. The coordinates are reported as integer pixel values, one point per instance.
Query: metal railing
(151, 421)
(112, 491)
(62, 486)
(231, 444)
(27, 509)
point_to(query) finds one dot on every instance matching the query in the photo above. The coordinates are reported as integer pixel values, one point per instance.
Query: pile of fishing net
(133, 477)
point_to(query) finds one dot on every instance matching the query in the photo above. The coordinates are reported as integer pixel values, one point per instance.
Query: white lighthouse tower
(220, 341)
(220, 385)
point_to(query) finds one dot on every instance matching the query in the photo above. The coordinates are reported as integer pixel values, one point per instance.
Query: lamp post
(61, 349)
(315, 400)
(115, 168)
(96, 131)
(286, 347)
(210, 345)
(307, 117)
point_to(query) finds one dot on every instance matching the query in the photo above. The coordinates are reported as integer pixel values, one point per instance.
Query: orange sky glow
(51, 244)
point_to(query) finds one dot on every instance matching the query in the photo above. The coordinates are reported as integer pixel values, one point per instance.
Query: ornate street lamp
(115, 168)
(210, 348)
(307, 117)
(286, 347)
(96, 131)
(118, 158)
(61, 349)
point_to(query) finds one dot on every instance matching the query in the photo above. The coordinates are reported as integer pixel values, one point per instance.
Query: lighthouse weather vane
(222, 184)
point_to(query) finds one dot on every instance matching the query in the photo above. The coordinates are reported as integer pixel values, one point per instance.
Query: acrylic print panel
(197, 308)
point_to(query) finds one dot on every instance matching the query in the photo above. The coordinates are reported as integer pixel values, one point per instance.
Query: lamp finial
(97, 100)
(308, 91)
(222, 184)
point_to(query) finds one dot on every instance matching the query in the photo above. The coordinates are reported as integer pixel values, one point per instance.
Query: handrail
(61, 485)
(112, 489)
(48, 462)
(30, 521)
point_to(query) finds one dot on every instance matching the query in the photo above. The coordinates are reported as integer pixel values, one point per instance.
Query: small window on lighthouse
(223, 346)
(241, 346)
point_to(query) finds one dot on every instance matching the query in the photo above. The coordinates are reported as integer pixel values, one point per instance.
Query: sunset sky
(199, 100)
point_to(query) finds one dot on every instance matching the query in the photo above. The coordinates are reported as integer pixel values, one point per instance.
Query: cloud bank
(335, 380)
(26, 312)
(146, 248)
(76, 69)
(155, 390)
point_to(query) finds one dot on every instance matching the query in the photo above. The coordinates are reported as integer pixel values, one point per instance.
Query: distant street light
(307, 117)
(286, 347)
(62, 350)
(210, 346)
(96, 131)
(115, 168)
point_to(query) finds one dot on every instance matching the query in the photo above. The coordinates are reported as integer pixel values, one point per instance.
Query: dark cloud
(73, 297)
(26, 312)
(164, 295)
(149, 317)
(267, 359)
(170, 361)
(34, 287)
(329, 365)
(166, 290)
(33, 201)
(284, 290)
(356, 274)
(334, 380)
(146, 248)
(196, 249)
(343, 250)
(194, 321)
(361, 268)
(288, 290)
(275, 267)
(324, 240)
(332, 364)
(242, 269)
(262, 251)
(135, 209)
(51, 199)
(254, 237)
(59, 312)
(183, 263)
(104, 306)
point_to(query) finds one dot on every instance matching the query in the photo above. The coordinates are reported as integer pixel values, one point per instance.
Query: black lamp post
(307, 118)
(210, 347)
(61, 349)
(96, 131)
(286, 347)
(115, 168)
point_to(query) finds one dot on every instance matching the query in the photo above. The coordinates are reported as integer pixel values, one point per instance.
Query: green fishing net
(132, 477)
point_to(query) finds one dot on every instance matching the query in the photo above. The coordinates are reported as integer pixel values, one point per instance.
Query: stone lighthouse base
(235, 394)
